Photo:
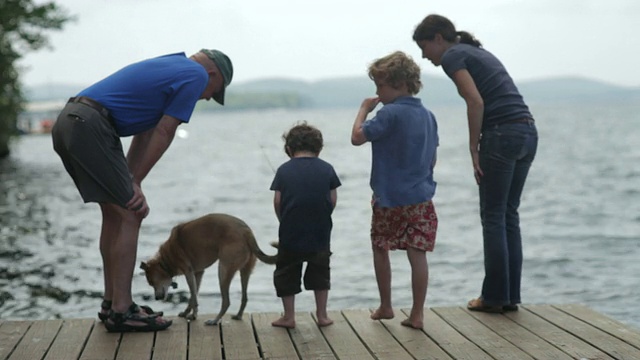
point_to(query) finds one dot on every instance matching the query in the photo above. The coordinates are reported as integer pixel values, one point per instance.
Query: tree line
(23, 28)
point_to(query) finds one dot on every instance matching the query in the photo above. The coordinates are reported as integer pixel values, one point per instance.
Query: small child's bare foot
(412, 324)
(325, 321)
(285, 323)
(380, 314)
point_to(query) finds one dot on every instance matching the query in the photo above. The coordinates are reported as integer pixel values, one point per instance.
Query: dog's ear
(144, 266)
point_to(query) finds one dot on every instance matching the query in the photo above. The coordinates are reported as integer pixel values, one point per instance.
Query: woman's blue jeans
(506, 154)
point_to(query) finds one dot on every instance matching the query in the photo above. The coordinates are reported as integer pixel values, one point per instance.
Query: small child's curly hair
(302, 137)
(395, 70)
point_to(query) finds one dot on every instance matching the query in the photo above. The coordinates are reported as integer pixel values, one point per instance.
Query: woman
(502, 141)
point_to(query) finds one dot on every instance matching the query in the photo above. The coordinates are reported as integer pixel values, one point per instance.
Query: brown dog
(194, 246)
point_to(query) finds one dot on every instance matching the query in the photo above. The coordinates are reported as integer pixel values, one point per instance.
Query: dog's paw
(213, 322)
(191, 317)
(236, 317)
(183, 314)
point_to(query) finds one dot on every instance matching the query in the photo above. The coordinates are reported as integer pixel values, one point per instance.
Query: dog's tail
(267, 259)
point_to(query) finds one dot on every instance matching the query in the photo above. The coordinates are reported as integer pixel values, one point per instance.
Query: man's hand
(138, 202)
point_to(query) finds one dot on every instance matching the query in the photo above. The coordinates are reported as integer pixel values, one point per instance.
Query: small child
(404, 139)
(304, 199)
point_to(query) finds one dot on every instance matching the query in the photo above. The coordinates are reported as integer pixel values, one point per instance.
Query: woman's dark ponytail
(437, 24)
(467, 38)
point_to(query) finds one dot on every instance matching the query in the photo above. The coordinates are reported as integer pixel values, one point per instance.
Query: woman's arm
(475, 112)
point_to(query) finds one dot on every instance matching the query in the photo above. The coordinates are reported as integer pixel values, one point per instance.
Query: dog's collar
(164, 267)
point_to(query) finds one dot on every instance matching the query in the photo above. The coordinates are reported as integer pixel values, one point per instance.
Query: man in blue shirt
(147, 100)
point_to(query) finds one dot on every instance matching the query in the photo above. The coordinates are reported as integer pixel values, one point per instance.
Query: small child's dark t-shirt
(305, 184)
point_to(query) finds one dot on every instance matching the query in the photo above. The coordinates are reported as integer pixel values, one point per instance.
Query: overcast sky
(311, 40)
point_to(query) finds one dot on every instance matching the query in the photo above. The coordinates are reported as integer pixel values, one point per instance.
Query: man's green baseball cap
(223, 63)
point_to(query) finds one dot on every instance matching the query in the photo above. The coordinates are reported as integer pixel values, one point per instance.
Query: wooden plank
(136, 346)
(171, 344)
(416, 342)
(101, 345)
(606, 324)
(479, 334)
(238, 341)
(70, 340)
(556, 336)
(342, 339)
(37, 339)
(308, 339)
(592, 335)
(450, 340)
(274, 342)
(536, 331)
(10, 334)
(204, 341)
(532, 344)
(375, 336)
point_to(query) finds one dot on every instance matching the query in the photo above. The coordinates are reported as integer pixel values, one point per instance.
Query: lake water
(580, 215)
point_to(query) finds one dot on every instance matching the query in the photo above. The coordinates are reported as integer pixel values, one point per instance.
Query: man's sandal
(105, 307)
(117, 321)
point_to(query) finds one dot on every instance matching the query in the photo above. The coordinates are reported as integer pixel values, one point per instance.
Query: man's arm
(145, 151)
(148, 147)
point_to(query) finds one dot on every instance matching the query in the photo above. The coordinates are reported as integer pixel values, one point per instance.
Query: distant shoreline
(347, 91)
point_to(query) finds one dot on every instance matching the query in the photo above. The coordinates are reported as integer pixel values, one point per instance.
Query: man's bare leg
(109, 232)
(123, 250)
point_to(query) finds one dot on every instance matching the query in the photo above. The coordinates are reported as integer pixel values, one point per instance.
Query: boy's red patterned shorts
(405, 226)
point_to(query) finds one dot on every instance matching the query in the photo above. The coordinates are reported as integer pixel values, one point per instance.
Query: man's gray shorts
(92, 153)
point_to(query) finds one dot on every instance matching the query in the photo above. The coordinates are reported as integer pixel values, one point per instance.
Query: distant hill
(576, 90)
(52, 91)
(349, 92)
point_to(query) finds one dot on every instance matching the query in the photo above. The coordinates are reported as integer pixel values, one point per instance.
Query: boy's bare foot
(285, 323)
(412, 324)
(381, 313)
(324, 321)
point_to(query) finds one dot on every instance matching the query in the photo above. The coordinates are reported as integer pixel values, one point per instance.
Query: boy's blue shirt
(404, 140)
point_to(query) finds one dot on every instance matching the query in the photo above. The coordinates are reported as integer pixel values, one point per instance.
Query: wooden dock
(535, 332)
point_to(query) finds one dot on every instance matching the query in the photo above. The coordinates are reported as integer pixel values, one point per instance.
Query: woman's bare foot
(381, 313)
(415, 324)
(285, 323)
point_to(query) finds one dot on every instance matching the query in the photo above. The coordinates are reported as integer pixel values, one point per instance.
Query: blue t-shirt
(502, 100)
(138, 95)
(404, 140)
(305, 184)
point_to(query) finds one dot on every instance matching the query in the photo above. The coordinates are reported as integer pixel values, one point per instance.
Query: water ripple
(580, 216)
